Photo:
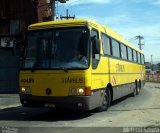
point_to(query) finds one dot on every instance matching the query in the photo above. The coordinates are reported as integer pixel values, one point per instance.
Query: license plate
(49, 105)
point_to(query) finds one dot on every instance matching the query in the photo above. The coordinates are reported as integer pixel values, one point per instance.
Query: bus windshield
(57, 49)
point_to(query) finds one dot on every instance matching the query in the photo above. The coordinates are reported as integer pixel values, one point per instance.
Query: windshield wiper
(65, 70)
(33, 68)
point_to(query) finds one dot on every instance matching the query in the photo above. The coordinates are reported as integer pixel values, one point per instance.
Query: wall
(9, 71)
(15, 16)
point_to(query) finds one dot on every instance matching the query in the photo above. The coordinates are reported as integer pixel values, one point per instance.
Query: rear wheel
(134, 91)
(140, 85)
(137, 88)
(106, 101)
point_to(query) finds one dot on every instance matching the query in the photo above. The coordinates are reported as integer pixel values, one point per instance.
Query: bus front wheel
(106, 101)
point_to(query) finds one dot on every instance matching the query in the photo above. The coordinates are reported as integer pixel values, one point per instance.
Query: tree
(158, 66)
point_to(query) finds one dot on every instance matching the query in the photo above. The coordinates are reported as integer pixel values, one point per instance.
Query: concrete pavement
(8, 101)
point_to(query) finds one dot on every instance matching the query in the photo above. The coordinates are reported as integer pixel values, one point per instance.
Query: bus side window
(139, 57)
(95, 48)
(106, 44)
(115, 46)
(142, 59)
(135, 56)
(123, 51)
(130, 54)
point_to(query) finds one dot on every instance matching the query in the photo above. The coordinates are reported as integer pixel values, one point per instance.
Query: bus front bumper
(69, 102)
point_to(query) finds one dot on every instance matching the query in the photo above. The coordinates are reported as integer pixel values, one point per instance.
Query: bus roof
(81, 22)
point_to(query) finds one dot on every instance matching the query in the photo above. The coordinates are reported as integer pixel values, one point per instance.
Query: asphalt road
(140, 111)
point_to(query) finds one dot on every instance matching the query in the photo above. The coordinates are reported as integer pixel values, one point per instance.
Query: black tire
(106, 101)
(133, 94)
(140, 85)
(137, 88)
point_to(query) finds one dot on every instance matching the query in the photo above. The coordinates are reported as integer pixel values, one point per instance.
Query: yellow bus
(79, 65)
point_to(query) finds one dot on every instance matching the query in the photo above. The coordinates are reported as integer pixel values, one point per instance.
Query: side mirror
(96, 52)
(97, 41)
(97, 56)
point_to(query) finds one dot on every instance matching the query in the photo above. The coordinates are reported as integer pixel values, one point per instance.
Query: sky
(129, 18)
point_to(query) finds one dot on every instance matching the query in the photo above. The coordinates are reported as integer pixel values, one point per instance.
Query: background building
(15, 16)
(152, 68)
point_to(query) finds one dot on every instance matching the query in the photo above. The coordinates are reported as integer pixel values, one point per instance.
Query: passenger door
(100, 69)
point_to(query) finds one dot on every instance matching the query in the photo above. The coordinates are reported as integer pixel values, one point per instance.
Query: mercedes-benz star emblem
(48, 91)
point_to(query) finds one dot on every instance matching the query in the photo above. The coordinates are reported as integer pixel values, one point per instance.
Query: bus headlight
(81, 91)
(73, 91)
(25, 90)
(77, 91)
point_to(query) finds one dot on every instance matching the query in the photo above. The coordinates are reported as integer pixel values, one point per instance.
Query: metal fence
(153, 78)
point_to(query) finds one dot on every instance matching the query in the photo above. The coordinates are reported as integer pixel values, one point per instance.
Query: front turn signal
(88, 91)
